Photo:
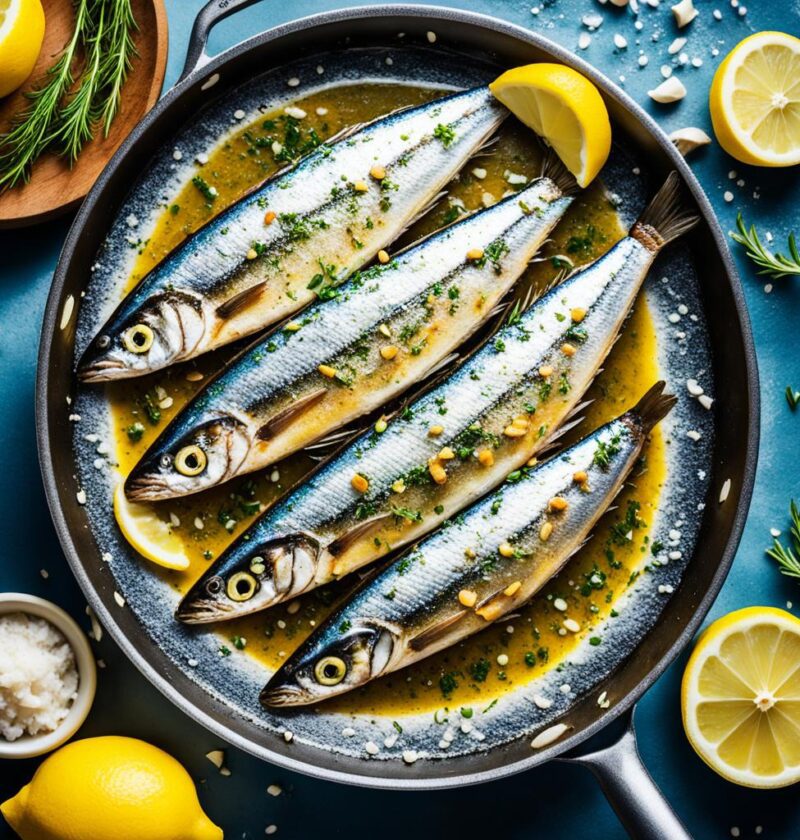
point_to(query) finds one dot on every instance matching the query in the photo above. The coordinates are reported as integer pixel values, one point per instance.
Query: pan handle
(207, 18)
(631, 791)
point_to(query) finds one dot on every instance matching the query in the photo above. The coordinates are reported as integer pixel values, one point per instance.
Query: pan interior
(428, 721)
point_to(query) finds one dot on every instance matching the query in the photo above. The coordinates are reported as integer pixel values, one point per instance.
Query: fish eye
(330, 670)
(138, 339)
(241, 586)
(191, 460)
(214, 586)
(103, 341)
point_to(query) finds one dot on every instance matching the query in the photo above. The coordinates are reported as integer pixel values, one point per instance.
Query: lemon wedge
(564, 108)
(21, 36)
(150, 536)
(109, 787)
(740, 697)
(755, 100)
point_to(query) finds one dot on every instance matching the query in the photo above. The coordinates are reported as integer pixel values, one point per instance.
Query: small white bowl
(27, 746)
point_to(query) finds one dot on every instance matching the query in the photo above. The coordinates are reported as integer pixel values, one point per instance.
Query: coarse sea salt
(38, 676)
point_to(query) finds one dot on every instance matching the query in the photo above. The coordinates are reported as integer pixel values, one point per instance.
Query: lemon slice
(740, 697)
(150, 536)
(755, 100)
(564, 108)
(21, 36)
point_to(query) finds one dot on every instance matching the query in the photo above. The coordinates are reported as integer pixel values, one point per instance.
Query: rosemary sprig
(62, 118)
(788, 557)
(774, 264)
(31, 134)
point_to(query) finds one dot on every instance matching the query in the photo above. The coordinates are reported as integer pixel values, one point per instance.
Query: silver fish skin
(423, 602)
(334, 363)
(509, 400)
(256, 262)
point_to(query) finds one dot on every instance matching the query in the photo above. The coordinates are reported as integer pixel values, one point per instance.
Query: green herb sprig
(773, 264)
(788, 557)
(62, 116)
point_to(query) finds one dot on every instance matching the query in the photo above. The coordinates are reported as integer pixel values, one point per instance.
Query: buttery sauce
(472, 674)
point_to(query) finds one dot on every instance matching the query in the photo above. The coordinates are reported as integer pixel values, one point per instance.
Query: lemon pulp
(21, 36)
(755, 100)
(741, 697)
(564, 108)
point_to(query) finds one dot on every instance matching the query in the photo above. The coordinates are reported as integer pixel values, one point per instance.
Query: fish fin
(653, 406)
(487, 147)
(664, 218)
(554, 169)
(240, 301)
(555, 441)
(285, 416)
(342, 543)
(435, 631)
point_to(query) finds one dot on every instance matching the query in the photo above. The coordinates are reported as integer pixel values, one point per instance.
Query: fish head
(249, 578)
(181, 462)
(340, 657)
(143, 337)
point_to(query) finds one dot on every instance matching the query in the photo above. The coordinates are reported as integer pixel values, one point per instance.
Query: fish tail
(554, 169)
(664, 218)
(653, 406)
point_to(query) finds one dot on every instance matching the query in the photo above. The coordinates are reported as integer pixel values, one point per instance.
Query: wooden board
(54, 188)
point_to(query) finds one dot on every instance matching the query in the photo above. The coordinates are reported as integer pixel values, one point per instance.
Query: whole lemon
(21, 36)
(109, 788)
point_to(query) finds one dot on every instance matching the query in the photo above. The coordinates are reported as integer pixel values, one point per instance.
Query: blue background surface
(555, 801)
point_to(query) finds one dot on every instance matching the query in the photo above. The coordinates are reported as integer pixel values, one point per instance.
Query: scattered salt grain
(725, 491)
(293, 82)
(372, 748)
(584, 40)
(431, 36)
(274, 790)
(410, 756)
(620, 42)
(728, 196)
(542, 702)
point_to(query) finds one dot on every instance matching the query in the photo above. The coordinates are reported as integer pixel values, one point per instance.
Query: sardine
(388, 328)
(475, 571)
(450, 446)
(293, 239)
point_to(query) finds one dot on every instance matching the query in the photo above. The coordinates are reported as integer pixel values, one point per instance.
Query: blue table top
(553, 801)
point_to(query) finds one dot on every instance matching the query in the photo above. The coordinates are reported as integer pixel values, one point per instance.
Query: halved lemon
(150, 536)
(21, 36)
(564, 108)
(740, 697)
(755, 100)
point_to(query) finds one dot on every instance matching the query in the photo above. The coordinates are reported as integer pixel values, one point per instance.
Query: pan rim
(437, 15)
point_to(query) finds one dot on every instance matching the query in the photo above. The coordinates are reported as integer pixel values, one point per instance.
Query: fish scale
(330, 206)
(519, 389)
(276, 390)
(414, 607)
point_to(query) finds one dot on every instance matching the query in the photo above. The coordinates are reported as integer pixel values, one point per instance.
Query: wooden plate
(54, 188)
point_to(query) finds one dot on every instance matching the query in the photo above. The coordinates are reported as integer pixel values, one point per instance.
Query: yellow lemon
(109, 788)
(740, 697)
(150, 536)
(564, 108)
(755, 100)
(21, 36)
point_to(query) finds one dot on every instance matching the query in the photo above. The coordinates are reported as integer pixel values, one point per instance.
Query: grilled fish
(480, 568)
(450, 446)
(294, 238)
(389, 326)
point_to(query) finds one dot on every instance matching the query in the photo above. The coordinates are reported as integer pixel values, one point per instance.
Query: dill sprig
(63, 116)
(788, 557)
(774, 264)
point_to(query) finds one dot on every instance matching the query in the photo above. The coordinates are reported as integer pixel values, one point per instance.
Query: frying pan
(731, 456)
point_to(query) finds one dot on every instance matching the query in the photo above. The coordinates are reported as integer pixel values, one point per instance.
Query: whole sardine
(294, 238)
(388, 327)
(483, 566)
(450, 446)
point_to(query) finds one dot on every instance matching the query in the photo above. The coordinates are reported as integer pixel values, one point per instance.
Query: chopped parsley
(445, 133)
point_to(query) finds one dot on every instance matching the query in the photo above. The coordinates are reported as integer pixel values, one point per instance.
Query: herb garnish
(773, 264)
(788, 557)
(445, 133)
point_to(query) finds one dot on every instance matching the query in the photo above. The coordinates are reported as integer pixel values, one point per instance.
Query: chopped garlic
(549, 735)
(684, 12)
(670, 90)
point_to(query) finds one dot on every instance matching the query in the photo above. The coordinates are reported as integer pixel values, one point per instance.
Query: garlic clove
(686, 140)
(684, 12)
(670, 90)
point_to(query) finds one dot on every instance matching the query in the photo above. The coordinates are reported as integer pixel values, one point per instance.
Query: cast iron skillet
(626, 782)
